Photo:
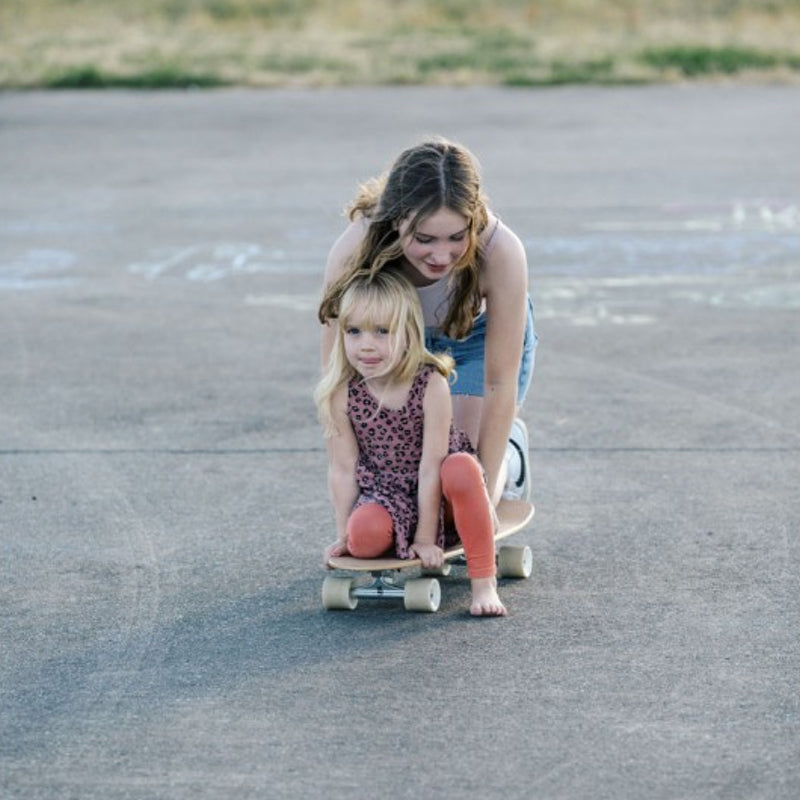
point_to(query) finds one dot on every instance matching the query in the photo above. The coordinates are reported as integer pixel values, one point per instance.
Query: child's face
(433, 249)
(372, 349)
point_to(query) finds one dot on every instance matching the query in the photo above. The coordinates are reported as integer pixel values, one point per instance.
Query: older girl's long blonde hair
(432, 175)
(385, 298)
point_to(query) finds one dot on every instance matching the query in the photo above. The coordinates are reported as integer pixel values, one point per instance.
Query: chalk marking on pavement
(294, 302)
(753, 216)
(38, 269)
(206, 263)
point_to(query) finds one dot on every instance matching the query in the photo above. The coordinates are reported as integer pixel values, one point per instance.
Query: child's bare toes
(485, 602)
(493, 610)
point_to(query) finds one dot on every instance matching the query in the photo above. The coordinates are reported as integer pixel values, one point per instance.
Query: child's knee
(461, 474)
(369, 531)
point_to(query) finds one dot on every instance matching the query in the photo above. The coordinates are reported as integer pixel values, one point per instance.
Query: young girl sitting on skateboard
(401, 478)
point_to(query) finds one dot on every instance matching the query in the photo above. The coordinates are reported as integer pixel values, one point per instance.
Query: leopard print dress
(390, 450)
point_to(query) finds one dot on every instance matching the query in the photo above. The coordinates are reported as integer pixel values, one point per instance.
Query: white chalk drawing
(293, 302)
(604, 272)
(207, 263)
(642, 300)
(38, 269)
(740, 216)
(744, 237)
(619, 272)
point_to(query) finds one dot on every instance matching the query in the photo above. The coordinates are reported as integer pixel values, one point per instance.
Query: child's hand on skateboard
(430, 555)
(333, 550)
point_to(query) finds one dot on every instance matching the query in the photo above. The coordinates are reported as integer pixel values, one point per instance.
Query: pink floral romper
(390, 449)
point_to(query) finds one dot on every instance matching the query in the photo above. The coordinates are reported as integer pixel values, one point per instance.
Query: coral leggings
(370, 527)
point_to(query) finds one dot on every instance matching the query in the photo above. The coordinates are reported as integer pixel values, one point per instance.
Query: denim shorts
(468, 354)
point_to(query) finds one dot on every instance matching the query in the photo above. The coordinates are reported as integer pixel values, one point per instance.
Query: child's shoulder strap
(422, 379)
(424, 374)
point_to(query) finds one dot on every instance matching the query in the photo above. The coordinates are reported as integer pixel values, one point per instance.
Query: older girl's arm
(506, 289)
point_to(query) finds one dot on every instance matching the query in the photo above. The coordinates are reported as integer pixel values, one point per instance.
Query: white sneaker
(518, 482)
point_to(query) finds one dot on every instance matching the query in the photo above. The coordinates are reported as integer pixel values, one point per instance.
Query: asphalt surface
(163, 504)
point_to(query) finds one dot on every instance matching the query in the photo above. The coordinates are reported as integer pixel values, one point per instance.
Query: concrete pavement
(162, 478)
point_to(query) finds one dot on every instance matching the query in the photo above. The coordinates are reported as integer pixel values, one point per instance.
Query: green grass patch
(599, 70)
(165, 77)
(488, 62)
(693, 61)
(301, 64)
(227, 11)
(154, 44)
(492, 53)
(562, 73)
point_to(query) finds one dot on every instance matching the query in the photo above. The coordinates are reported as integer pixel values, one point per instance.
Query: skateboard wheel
(422, 594)
(436, 572)
(514, 562)
(337, 594)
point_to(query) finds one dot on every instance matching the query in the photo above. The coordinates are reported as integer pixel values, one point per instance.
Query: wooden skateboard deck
(423, 594)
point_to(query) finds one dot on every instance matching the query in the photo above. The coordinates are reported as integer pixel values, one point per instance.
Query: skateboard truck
(418, 594)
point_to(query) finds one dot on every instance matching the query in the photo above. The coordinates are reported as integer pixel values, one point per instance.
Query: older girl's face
(432, 250)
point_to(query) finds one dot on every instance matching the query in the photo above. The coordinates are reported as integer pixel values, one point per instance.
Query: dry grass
(155, 43)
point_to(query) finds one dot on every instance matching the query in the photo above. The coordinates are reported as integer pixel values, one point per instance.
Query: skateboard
(389, 578)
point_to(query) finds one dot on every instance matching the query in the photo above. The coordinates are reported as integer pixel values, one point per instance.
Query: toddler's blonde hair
(385, 298)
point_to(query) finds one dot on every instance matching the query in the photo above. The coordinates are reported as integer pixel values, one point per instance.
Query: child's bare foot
(485, 601)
